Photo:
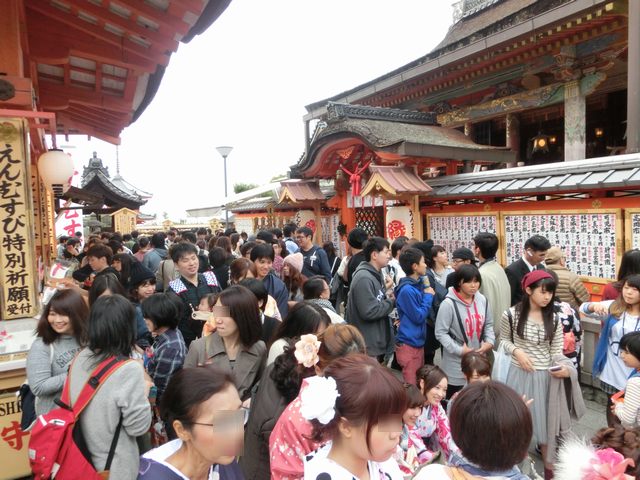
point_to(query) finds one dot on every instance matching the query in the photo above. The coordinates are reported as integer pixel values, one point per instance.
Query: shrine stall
(68, 68)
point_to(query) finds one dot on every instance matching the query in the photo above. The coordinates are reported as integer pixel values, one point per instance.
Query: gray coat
(496, 288)
(248, 366)
(47, 367)
(451, 337)
(368, 309)
(122, 393)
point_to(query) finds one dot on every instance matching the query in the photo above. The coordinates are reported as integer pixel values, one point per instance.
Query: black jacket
(515, 273)
(266, 407)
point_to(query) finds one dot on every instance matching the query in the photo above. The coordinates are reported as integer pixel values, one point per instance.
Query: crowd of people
(267, 356)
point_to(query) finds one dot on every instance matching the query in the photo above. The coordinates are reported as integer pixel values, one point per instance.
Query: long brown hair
(71, 304)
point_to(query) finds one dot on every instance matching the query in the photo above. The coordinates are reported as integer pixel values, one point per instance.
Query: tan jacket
(246, 370)
(570, 287)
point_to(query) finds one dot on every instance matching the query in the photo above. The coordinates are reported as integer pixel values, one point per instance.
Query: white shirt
(163, 452)
(615, 372)
(439, 472)
(317, 463)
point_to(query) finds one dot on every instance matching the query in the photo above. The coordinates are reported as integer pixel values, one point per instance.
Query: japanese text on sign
(588, 239)
(18, 288)
(635, 230)
(453, 232)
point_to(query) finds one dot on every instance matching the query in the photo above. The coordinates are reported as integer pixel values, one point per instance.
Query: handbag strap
(114, 443)
(510, 317)
(101, 373)
(459, 318)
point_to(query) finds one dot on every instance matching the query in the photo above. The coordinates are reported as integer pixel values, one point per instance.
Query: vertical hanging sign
(17, 272)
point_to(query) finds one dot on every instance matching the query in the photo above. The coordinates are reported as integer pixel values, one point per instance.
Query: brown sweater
(570, 287)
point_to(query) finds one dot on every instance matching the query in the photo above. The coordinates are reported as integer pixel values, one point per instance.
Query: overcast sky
(245, 83)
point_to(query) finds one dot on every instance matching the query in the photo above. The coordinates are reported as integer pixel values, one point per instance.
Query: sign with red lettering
(69, 221)
(13, 441)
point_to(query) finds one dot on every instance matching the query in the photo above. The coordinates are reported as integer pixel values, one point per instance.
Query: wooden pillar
(347, 214)
(11, 52)
(575, 110)
(318, 213)
(633, 79)
(414, 204)
(513, 137)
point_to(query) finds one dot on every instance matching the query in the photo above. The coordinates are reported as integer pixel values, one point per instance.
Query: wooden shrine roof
(617, 172)
(98, 64)
(296, 191)
(116, 191)
(383, 131)
(394, 180)
(502, 37)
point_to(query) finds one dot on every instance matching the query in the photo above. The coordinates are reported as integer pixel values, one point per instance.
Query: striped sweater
(533, 344)
(628, 411)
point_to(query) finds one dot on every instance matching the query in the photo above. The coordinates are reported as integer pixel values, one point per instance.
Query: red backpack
(57, 447)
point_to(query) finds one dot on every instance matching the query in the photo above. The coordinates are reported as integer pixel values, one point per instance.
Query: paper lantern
(56, 171)
(399, 222)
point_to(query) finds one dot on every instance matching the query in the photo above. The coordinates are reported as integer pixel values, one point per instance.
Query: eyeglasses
(228, 421)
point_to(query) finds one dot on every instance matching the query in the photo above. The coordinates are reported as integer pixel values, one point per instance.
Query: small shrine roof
(394, 180)
(583, 175)
(300, 191)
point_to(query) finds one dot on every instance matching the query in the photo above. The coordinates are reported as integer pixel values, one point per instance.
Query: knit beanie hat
(295, 260)
(139, 274)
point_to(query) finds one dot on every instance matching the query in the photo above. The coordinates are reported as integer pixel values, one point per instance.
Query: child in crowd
(204, 313)
(620, 317)
(464, 324)
(433, 424)
(413, 301)
(412, 452)
(161, 314)
(357, 405)
(627, 409)
(475, 368)
(533, 335)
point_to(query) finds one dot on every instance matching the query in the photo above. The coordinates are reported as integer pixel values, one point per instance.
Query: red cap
(533, 277)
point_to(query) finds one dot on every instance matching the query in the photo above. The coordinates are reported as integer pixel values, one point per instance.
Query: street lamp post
(225, 151)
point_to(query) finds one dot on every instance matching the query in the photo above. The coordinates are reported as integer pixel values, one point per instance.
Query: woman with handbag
(533, 335)
(120, 407)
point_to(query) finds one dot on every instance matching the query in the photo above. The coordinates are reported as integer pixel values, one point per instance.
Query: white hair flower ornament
(307, 350)
(318, 399)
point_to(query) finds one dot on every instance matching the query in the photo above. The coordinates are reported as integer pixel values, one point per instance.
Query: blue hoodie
(413, 309)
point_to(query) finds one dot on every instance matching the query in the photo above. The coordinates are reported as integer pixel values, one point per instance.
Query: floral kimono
(433, 426)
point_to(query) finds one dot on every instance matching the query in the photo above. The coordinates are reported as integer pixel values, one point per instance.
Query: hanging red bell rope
(355, 177)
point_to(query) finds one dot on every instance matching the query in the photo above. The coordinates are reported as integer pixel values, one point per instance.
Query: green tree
(243, 187)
